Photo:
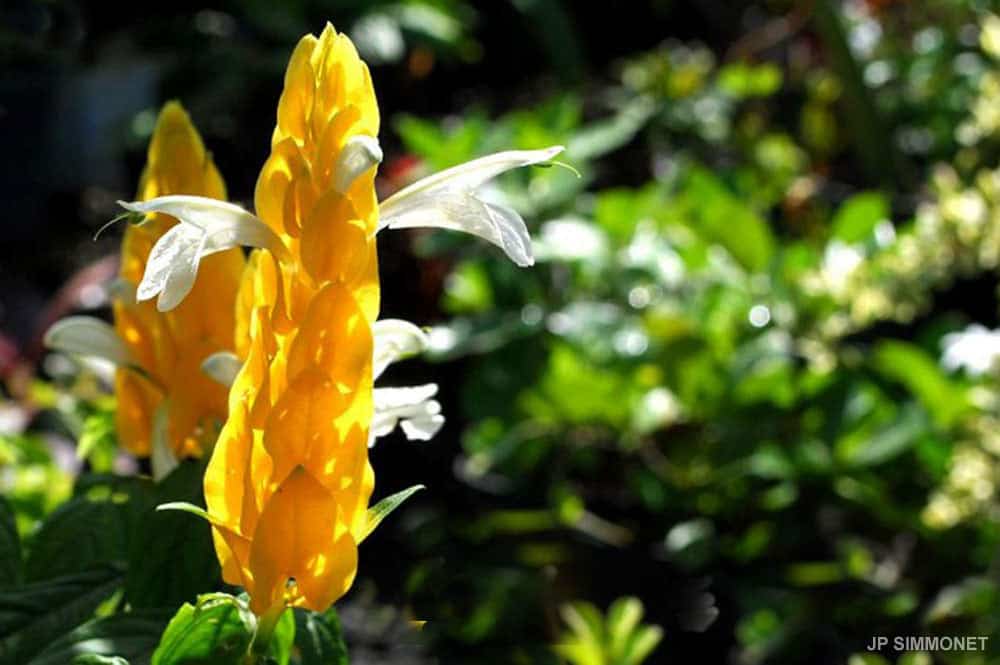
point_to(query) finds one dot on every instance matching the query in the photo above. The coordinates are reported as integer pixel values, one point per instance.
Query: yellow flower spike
(169, 347)
(289, 481)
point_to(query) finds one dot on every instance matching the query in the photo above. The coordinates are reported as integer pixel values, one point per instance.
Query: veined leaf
(319, 639)
(172, 559)
(120, 638)
(33, 615)
(216, 631)
(383, 508)
(10, 547)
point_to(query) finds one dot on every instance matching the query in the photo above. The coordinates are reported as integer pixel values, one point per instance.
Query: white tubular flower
(447, 200)
(207, 226)
(411, 408)
(87, 336)
(360, 153)
(395, 339)
(162, 459)
(222, 367)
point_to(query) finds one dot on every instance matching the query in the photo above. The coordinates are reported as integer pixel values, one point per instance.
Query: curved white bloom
(207, 226)
(360, 153)
(87, 336)
(411, 408)
(447, 200)
(395, 339)
(162, 459)
(222, 367)
(444, 200)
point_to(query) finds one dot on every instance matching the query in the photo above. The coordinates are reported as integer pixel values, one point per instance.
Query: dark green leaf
(10, 547)
(319, 638)
(216, 631)
(95, 527)
(131, 637)
(911, 366)
(172, 559)
(871, 448)
(35, 614)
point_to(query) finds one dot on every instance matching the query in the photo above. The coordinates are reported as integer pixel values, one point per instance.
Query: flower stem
(266, 624)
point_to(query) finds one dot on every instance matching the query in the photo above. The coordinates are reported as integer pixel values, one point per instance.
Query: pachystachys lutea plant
(167, 407)
(288, 483)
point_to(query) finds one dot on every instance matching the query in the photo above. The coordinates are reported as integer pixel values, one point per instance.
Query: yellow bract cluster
(168, 347)
(288, 483)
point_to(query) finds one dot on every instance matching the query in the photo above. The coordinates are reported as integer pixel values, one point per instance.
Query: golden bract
(289, 480)
(168, 347)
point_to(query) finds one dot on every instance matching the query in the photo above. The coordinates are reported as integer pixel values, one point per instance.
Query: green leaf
(172, 558)
(185, 507)
(908, 364)
(129, 638)
(32, 616)
(642, 643)
(740, 79)
(722, 218)
(92, 659)
(868, 448)
(282, 639)
(319, 638)
(383, 508)
(623, 617)
(468, 289)
(216, 631)
(604, 136)
(95, 527)
(98, 443)
(857, 218)
(10, 547)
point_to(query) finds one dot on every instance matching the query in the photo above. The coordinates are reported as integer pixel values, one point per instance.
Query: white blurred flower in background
(974, 349)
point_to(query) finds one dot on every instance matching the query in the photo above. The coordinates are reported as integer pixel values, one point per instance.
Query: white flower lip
(395, 339)
(447, 200)
(360, 153)
(222, 367)
(87, 336)
(411, 408)
(162, 459)
(207, 226)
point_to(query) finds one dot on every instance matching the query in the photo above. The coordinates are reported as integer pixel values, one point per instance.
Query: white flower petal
(161, 458)
(411, 408)
(446, 200)
(422, 427)
(201, 211)
(87, 336)
(475, 173)
(360, 153)
(395, 339)
(162, 257)
(222, 366)
(207, 226)
(181, 272)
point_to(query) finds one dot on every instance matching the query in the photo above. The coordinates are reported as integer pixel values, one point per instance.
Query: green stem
(266, 624)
